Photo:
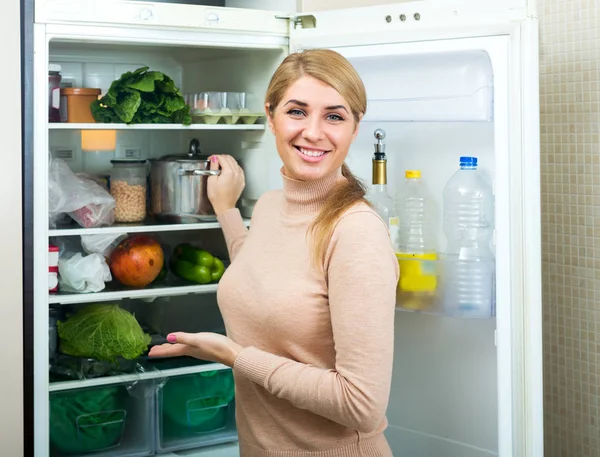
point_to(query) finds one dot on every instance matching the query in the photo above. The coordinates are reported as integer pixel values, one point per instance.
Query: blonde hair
(334, 70)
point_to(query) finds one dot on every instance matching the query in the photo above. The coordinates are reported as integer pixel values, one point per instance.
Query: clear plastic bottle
(415, 243)
(468, 209)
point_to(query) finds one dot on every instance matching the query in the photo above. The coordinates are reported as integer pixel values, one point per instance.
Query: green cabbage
(102, 332)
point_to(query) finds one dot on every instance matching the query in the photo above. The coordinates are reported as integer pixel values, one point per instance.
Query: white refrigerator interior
(439, 87)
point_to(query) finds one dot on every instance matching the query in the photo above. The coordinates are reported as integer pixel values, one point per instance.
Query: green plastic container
(196, 405)
(87, 420)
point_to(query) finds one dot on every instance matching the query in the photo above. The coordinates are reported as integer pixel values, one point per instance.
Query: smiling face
(314, 128)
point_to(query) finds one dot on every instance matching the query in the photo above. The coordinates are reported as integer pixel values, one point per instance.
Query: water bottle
(415, 244)
(468, 223)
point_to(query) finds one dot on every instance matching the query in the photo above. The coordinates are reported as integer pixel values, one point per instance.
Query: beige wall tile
(570, 160)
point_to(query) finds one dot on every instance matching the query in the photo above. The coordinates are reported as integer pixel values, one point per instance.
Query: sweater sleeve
(362, 275)
(234, 230)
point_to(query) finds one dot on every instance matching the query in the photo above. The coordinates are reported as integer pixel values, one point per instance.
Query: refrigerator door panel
(451, 385)
(446, 398)
(318, 5)
(403, 22)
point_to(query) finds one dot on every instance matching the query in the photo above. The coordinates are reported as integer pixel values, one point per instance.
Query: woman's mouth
(311, 154)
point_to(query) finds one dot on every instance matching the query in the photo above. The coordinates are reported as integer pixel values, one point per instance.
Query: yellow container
(414, 274)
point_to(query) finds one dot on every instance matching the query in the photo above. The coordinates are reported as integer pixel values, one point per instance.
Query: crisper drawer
(196, 410)
(110, 420)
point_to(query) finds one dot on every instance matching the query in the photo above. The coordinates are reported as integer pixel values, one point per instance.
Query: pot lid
(194, 155)
(181, 158)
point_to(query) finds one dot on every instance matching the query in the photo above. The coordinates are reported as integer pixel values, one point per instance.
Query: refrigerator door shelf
(462, 289)
(407, 87)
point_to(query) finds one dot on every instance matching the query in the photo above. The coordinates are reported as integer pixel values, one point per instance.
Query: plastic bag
(83, 274)
(83, 199)
(101, 244)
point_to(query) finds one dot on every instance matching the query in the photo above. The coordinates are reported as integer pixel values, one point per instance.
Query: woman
(308, 300)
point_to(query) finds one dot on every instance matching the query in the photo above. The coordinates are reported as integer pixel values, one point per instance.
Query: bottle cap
(412, 174)
(379, 135)
(468, 161)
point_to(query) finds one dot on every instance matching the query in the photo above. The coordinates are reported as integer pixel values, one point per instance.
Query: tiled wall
(569, 79)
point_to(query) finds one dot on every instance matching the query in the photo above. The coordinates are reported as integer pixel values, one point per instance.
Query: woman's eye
(335, 117)
(296, 112)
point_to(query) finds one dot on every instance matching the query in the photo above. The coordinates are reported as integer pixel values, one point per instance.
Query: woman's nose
(313, 130)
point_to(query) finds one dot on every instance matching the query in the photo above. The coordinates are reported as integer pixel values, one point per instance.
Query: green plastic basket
(87, 420)
(196, 404)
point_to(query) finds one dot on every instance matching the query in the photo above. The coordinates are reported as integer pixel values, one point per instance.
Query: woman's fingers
(188, 339)
(169, 350)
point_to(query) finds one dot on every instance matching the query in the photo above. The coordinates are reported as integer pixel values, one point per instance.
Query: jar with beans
(128, 187)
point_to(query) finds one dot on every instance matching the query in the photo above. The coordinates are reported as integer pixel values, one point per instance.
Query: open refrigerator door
(446, 80)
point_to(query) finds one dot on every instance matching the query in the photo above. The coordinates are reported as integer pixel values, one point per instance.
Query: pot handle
(183, 172)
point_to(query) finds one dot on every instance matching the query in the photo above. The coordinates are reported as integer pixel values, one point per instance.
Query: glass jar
(54, 79)
(128, 188)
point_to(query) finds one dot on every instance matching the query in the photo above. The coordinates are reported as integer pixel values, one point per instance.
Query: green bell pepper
(196, 265)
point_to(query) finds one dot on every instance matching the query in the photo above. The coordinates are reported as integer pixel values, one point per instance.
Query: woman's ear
(357, 126)
(269, 114)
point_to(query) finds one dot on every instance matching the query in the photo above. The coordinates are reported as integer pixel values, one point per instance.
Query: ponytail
(345, 195)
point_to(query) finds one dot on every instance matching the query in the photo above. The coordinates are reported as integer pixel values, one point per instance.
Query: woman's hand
(204, 346)
(225, 190)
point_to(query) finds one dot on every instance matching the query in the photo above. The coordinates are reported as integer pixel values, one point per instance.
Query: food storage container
(104, 421)
(235, 101)
(54, 79)
(128, 188)
(178, 186)
(75, 102)
(206, 102)
(53, 253)
(196, 410)
(209, 107)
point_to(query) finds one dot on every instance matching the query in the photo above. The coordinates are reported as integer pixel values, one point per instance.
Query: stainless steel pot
(178, 186)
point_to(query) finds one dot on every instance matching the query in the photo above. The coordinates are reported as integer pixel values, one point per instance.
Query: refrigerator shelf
(104, 126)
(219, 450)
(66, 298)
(149, 226)
(127, 378)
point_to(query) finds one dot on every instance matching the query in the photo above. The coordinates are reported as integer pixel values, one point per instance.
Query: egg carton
(226, 116)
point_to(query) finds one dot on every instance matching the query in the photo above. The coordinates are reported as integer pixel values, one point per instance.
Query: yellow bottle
(415, 244)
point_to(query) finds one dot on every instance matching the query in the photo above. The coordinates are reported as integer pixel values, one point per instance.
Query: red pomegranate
(137, 261)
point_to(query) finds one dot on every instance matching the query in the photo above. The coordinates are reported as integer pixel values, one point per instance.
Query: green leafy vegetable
(142, 97)
(103, 332)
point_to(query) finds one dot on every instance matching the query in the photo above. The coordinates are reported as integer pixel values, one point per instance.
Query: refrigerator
(444, 79)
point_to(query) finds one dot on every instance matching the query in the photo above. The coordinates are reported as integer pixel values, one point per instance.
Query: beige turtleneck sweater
(314, 377)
